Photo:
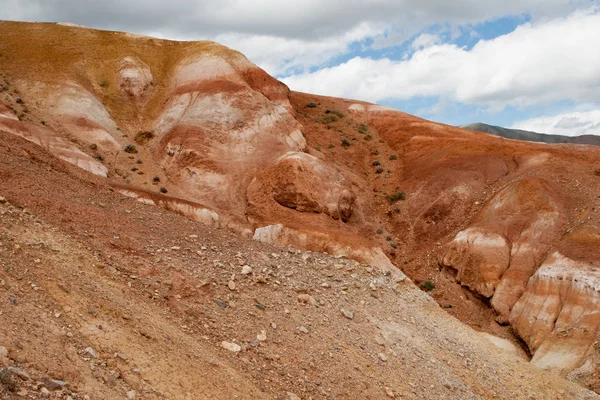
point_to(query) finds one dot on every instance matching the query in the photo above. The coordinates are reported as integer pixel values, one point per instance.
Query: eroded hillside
(506, 231)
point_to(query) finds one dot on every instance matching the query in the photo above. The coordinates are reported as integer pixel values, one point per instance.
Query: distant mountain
(529, 136)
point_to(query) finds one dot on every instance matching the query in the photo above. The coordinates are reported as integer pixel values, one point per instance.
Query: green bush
(376, 163)
(428, 286)
(394, 197)
(345, 142)
(363, 128)
(379, 170)
(368, 137)
(331, 145)
(130, 149)
(327, 119)
(393, 157)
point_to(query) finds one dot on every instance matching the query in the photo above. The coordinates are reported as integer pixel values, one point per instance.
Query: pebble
(302, 329)
(307, 299)
(3, 352)
(91, 352)
(131, 394)
(231, 346)
(389, 393)
(262, 336)
(231, 285)
(292, 396)
(54, 384)
(347, 313)
(383, 357)
(246, 270)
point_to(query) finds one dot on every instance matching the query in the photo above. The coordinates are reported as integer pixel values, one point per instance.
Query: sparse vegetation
(428, 286)
(156, 179)
(19, 100)
(388, 238)
(99, 157)
(143, 137)
(379, 231)
(394, 197)
(163, 190)
(363, 128)
(93, 146)
(104, 83)
(43, 122)
(331, 145)
(7, 381)
(393, 157)
(345, 142)
(379, 170)
(311, 104)
(368, 137)
(130, 149)
(376, 163)
(394, 245)
(318, 148)
(327, 119)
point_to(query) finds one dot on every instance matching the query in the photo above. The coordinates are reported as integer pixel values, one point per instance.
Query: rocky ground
(104, 297)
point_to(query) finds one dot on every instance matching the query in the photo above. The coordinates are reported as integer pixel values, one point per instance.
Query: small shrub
(331, 145)
(363, 128)
(318, 148)
(93, 146)
(394, 197)
(394, 245)
(43, 122)
(7, 380)
(311, 104)
(134, 169)
(104, 83)
(388, 238)
(156, 179)
(21, 116)
(368, 137)
(379, 231)
(338, 113)
(376, 163)
(597, 172)
(379, 170)
(19, 100)
(143, 137)
(99, 157)
(130, 149)
(327, 111)
(345, 142)
(428, 286)
(163, 190)
(393, 157)
(327, 119)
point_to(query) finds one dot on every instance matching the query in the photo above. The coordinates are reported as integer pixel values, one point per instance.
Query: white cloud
(568, 124)
(540, 62)
(425, 40)
(276, 34)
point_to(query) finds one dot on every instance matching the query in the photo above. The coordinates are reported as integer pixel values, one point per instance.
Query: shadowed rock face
(302, 182)
(504, 246)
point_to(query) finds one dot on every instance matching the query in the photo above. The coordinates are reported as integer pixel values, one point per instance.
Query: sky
(527, 64)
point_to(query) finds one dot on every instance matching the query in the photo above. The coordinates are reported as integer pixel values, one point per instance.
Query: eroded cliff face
(559, 314)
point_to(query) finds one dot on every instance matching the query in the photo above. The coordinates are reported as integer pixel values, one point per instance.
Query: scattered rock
(221, 304)
(292, 396)
(20, 373)
(131, 394)
(231, 285)
(307, 299)
(302, 329)
(54, 384)
(3, 352)
(383, 357)
(260, 279)
(389, 393)
(2, 200)
(91, 352)
(246, 270)
(231, 346)
(347, 313)
(262, 336)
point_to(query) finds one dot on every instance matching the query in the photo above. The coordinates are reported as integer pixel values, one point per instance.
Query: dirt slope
(505, 230)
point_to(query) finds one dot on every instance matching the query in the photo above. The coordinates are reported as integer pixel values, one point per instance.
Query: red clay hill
(504, 234)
